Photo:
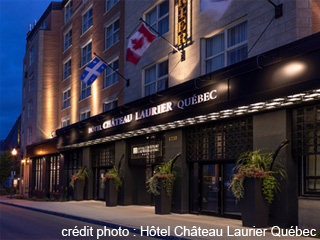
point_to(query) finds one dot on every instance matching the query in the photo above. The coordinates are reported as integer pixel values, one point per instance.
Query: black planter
(78, 190)
(111, 193)
(254, 207)
(162, 201)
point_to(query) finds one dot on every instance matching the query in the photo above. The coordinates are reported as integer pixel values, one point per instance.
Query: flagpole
(176, 49)
(127, 80)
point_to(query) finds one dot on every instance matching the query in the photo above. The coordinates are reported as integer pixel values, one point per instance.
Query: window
(87, 20)
(31, 82)
(85, 54)
(31, 56)
(110, 4)
(111, 77)
(85, 90)
(84, 114)
(72, 164)
(30, 108)
(156, 78)
(112, 34)
(68, 11)
(38, 168)
(54, 173)
(307, 148)
(110, 105)
(158, 17)
(67, 69)
(29, 136)
(65, 122)
(66, 97)
(68, 39)
(227, 48)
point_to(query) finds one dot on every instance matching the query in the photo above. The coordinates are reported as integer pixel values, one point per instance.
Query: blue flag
(92, 71)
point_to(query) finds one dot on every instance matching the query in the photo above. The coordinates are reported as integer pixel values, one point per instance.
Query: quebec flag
(215, 9)
(92, 71)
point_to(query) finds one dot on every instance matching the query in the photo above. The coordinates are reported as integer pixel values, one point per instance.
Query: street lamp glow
(14, 152)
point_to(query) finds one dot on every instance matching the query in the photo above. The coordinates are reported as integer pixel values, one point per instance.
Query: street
(20, 224)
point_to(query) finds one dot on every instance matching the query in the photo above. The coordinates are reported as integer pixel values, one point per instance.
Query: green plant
(112, 174)
(165, 172)
(253, 164)
(82, 174)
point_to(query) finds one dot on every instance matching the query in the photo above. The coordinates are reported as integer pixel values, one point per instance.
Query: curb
(92, 221)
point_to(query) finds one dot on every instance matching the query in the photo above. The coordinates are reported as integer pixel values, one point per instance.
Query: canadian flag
(138, 44)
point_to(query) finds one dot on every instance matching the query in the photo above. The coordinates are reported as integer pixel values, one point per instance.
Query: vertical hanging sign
(182, 23)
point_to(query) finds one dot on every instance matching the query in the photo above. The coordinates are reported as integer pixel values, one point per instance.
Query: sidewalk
(137, 218)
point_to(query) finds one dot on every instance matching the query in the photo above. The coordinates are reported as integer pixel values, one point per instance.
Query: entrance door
(100, 175)
(210, 190)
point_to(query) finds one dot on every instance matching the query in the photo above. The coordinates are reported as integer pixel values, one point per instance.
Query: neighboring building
(13, 141)
(248, 81)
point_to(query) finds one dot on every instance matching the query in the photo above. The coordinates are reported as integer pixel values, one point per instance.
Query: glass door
(210, 191)
(210, 188)
(100, 175)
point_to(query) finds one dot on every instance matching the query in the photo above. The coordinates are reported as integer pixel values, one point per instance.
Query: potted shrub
(161, 185)
(111, 182)
(78, 183)
(255, 184)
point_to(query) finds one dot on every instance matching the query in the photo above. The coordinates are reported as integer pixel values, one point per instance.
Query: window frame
(114, 2)
(85, 23)
(31, 82)
(67, 70)
(110, 102)
(67, 39)
(158, 79)
(226, 49)
(85, 59)
(85, 90)
(86, 113)
(68, 11)
(112, 36)
(67, 120)
(156, 23)
(66, 102)
(114, 75)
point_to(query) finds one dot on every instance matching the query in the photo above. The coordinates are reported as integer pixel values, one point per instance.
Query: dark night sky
(15, 17)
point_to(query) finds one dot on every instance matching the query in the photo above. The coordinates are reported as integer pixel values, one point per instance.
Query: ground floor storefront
(210, 121)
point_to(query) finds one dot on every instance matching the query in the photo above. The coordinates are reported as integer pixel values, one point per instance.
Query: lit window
(65, 122)
(112, 34)
(86, 54)
(31, 82)
(85, 90)
(68, 11)
(111, 77)
(66, 97)
(30, 108)
(110, 4)
(54, 173)
(87, 20)
(156, 78)
(68, 39)
(158, 17)
(67, 69)
(84, 115)
(110, 105)
(227, 48)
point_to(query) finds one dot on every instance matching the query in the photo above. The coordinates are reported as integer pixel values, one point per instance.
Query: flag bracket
(278, 9)
(116, 71)
(182, 53)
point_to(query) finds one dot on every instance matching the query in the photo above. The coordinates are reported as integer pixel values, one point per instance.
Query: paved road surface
(22, 224)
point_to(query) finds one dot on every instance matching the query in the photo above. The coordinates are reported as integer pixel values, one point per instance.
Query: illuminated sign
(182, 22)
(159, 109)
(146, 150)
